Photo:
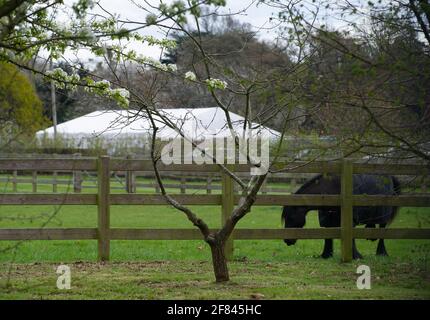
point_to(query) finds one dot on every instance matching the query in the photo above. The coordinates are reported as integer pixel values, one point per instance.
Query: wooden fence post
(103, 176)
(346, 211)
(15, 181)
(209, 185)
(293, 183)
(54, 177)
(54, 181)
(227, 198)
(77, 178)
(34, 181)
(130, 179)
(264, 186)
(183, 184)
(423, 185)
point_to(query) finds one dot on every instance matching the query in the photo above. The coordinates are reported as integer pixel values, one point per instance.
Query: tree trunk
(219, 262)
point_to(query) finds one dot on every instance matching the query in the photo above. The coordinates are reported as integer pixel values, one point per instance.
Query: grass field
(182, 269)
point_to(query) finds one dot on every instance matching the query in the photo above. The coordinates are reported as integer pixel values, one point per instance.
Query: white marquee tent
(122, 127)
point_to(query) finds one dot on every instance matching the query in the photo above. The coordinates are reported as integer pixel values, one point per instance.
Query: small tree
(224, 83)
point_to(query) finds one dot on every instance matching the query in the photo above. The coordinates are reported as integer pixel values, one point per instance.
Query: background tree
(21, 112)
(236, 51)
(368, 84)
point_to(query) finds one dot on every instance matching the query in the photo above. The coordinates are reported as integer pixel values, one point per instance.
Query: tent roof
(195, 123)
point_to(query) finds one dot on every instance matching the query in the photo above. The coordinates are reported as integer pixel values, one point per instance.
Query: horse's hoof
(326, 255)
(382, 254)
(357, 256)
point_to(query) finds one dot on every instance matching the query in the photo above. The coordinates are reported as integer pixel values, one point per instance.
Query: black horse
(329, 217)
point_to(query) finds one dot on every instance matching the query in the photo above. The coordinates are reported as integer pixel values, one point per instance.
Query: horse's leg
(326, 219)
(381, 251)
(328, 249)
(355, 253)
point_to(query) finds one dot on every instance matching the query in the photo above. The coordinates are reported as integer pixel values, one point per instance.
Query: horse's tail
(397, 191)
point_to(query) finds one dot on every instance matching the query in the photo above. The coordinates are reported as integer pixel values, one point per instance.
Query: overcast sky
(255, 15)
(248, 12)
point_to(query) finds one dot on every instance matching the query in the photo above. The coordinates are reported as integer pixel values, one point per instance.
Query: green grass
(182, 269)
(303, 279)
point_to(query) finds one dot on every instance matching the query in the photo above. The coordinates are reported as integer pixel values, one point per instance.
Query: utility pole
(53, 104)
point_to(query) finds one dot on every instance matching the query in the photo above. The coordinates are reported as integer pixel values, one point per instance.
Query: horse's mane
(300, 190)
(308, 183)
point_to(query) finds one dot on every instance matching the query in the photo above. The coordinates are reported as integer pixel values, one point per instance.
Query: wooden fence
(184, 182)
(227, 199)
(129, 181)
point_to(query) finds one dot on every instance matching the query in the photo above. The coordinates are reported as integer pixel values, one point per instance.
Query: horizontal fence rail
(163, 234)
(194, 234)
(262, 200)
(282, 172)
(103, 199)
(90, 164)
(130, 184)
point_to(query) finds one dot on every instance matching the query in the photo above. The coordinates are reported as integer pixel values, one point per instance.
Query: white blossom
(216, 84)
(103, 88)
(190, 76)
(103, 84)
(157, 64)
(172, 67)
(61, 78)
(151, 19)
(88, 34)
(121, 96)
(123, 93)
(58, 74)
